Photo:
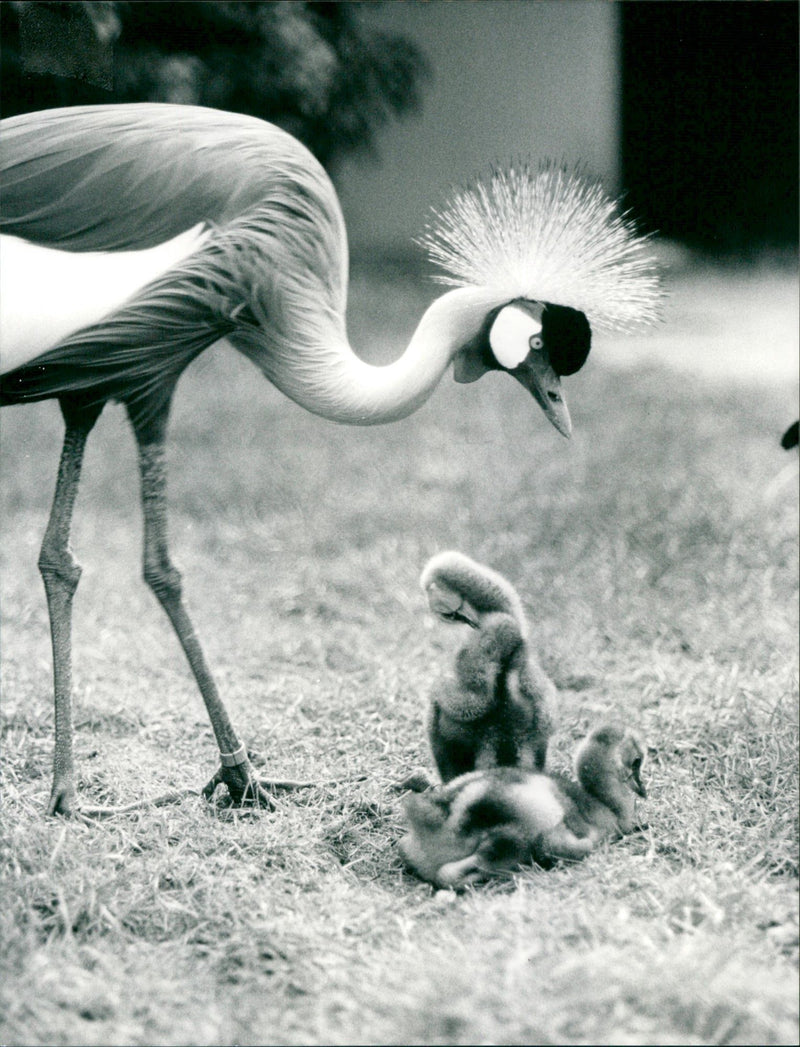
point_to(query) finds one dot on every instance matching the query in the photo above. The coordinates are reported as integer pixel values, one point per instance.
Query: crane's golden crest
(549, 235)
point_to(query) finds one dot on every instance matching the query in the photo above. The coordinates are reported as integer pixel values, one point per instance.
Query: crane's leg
(61, 573)
(236, 771)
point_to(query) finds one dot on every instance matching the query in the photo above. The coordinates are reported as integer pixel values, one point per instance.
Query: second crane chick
(489, 823)
(496, 709)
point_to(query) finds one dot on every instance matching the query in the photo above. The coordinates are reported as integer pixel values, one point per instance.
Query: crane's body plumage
(64, 171)
(266, 267)
(132, 178)
(82, 289)
(136, 236)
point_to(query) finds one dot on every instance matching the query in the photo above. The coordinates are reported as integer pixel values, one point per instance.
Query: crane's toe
(63, 799)
(64, 802)
(242, 785)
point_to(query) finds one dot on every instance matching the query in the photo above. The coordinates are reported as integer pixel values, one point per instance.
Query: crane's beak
(539, 378)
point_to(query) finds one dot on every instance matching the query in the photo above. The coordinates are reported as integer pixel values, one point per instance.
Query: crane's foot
(63, 798)
(64, 801)
(244, 787)
(247, 790)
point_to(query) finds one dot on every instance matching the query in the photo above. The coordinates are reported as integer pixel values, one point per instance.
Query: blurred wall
(709, 121)
(511, 79)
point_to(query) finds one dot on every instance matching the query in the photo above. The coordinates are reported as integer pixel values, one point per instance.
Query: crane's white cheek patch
(510, 336)
(47, 294)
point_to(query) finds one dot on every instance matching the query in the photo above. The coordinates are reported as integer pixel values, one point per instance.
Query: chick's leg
(561, 842)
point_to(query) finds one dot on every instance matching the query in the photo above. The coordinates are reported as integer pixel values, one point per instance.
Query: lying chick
(487, 823)
(496, 709)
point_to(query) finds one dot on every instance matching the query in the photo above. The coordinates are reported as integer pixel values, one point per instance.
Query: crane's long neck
(311, 360)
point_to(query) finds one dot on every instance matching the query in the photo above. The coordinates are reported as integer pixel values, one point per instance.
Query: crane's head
(608, 764)
(611, 753)
(535, 342)
(557, 252)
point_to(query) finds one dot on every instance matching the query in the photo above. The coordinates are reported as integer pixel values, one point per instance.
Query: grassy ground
(663, 588)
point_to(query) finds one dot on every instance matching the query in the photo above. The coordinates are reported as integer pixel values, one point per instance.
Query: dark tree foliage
(316, 69)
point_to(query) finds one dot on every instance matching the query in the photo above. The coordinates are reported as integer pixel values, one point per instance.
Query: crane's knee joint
(164, 581)
(65, 571)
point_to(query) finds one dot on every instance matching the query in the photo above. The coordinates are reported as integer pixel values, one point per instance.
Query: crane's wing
(129, 177)
(134, 179)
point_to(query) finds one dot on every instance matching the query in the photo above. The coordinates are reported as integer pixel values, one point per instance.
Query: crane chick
(496, 709)
(487, 823)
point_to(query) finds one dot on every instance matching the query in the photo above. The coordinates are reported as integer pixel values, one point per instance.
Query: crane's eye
(535, 341)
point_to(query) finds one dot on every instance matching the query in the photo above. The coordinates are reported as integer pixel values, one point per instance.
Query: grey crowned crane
(135, 236)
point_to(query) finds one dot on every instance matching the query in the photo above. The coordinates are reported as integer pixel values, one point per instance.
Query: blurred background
(690, 108)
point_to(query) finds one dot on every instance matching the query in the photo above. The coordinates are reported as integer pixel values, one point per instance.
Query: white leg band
(238, 756)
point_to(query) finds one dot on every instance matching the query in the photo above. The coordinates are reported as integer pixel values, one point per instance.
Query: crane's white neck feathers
(330, 380)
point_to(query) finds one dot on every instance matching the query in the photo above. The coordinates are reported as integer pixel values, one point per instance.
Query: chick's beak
(636, 783)
(451, 606)
(539, 378)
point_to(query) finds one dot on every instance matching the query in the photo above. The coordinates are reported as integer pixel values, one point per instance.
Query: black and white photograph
(399, 585)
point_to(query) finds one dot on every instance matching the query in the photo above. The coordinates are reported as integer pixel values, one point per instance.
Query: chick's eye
(535, 341)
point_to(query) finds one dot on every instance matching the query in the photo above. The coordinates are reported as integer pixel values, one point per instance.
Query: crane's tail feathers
(547, 234)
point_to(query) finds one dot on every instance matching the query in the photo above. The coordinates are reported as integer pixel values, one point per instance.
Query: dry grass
(663, 588)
